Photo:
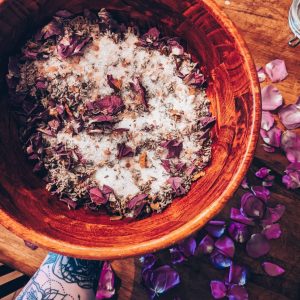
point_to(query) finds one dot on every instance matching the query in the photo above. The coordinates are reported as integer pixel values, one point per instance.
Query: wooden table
(265, 28)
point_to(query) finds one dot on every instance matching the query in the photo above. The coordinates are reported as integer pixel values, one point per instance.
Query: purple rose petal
(206, 245)
(109, 105)
(225, 246)
(176, 256)
(176, 184)
(106, 283)
(174, 148)
(267, 120)
(252, 206)
(152, 35)
(215, 228)
(268, 148)
(276, 70)
(261, 193)
(262, 172)
(239, 232)
(235, 215)
(124, 151)
(136, 200)
(257, 246)
(290, 143)
(237, 292)
(97, 196)
(290, 115)
(166, 164)
(272, 269)
(237, 274)
(271, 98)
(272, 231)
(218, 289)
(52, 29)
(273, 215)
(292, 178)
(188, 246)
(245, 184)
(140, 92)
(148, 261)
(272, 137)
(219, 260)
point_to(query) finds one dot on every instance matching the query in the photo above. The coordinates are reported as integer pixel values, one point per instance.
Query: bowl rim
(109, 253)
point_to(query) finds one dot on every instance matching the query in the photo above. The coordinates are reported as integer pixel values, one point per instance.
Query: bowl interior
(28, 210)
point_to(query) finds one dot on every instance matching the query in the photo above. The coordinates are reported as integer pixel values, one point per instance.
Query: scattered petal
(176, 184)
(174, 148)
(276, 70)
(106, 283)
(273, 215)
(215, 228)
(268, 148)
(262, 172)
(237, 292)
(267, 120)
(219, 260)
(136, 200)
(97, 196)
(290, 115)
(272, 269)
(148, 261)
(110, 105)
(218, 289)
(272, 137)
(271, 98)
(124, 151)
(206, 245)
(115, 84)
(291, 179)
(239, 232)
(245, 184)
(166, 164)
(176, 256)
(175, 47)
(257, 246)
(261, 74)
(237, 274)
(272, 231)
(252, 206)
(261, 193)
(235, 215)
(188, 246)
(225, 246)
(140, 92)
(290, 143)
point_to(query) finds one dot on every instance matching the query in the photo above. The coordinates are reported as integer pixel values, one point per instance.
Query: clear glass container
(294, 22)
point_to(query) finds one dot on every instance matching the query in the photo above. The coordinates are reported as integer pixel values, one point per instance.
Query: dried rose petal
(272, 137)
(148, 261)
(176, 256)
(225, 246)
(73, 45)
(166, 164)
(174, 147)
(257, 246)
(106, 283)
(180, 167)
(219, 260)
(30, 245)
(218, 289)
(261, 74)
(71, 204)
(195, 78)
(261, 192)
(207, 122)
(124, 151)
(262, 172)
(136, 200)
(215, 228)
(188, 246)
(292, 177)
(290, 115)
(252, 206)
(52, 29)
(190, 170)
(245, 184)
(140, 92)
(276, 70)
(272, 269)
(109, 105)
(237, 292)
(267, 120)
(152, 35)
(206, 245)
(290, 143)
(273, 214)
(114, 83)
(239, 232)
(97, 196)
(175, 47)
(271, 98)
(272, 231)
(176, 184)
(237, 274)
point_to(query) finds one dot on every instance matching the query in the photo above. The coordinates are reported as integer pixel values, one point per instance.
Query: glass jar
(294, 22)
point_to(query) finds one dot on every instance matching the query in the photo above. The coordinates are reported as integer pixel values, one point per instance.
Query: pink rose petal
(257, 246)
(290, 143)
(268, 148)
(272, 137)
(276, 70)
(261, 74)
(290, 115)
(218, 289)
(252, 206)
(271, 98)
(267, 120)
(272, 231)
(291, 179)
(273, 215)
(272, 269)
(262, 172)
(239, 232)
(244, 184)
(261, 192)
(236, 215)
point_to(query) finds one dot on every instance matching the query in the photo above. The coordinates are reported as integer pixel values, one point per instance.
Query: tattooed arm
(63, 278)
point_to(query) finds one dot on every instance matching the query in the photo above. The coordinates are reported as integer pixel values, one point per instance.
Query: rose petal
(262, 172)
(271, 98)
(290, 143)
(239, 232)
(188, 246)
(272, 269)
(148, 261)
(215, 228)
(176, 256)
(219, 260)
(272, 137)
(176, 184)
(52, 29)
(276, 70)
(267, 120)
(109, 105)
(114, 83)
(140, 92)
(292, 177)
(124, 151)
(166, 164)
(290, 116)
(175, 47)
(206, 245)
(272, 231)
(237, 292)
(30, 245)
(152, 35)
(237, 274)
(245, 184)
(273, 214)
(257, 246)
(106, 283)
(174, 148)
(136, 200)
(268, 148)
(261, 74)
(225, 246)
(218, 289)
(252, 206)
(97, 196)
(261, 193)
(235, 215)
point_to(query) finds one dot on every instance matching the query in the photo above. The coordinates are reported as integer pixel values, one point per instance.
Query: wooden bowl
(30, 212)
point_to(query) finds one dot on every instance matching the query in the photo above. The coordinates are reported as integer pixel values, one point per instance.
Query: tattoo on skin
(57, 276)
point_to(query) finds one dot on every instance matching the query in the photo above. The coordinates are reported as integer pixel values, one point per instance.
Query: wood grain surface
(265, 29)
